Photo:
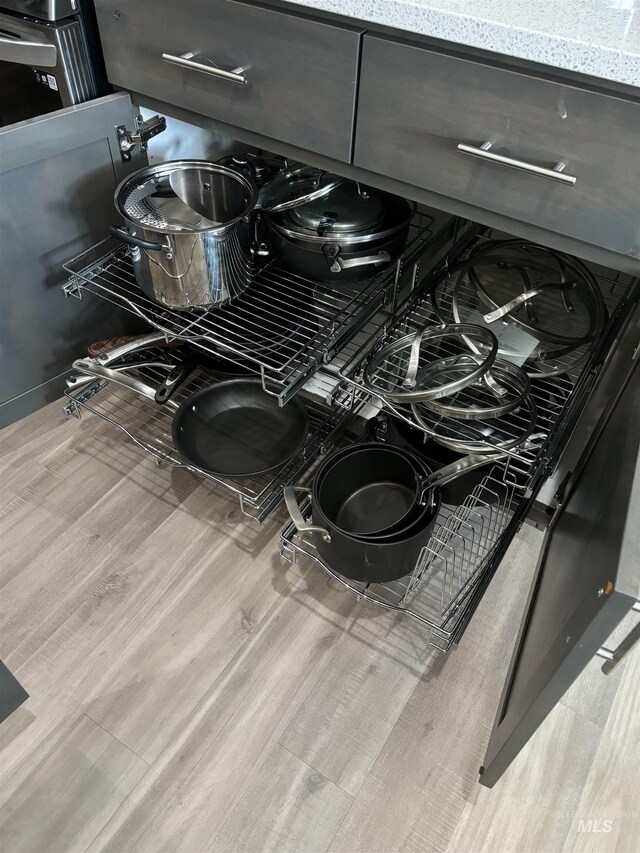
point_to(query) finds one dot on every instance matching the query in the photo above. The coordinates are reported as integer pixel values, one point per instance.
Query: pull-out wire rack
(149, 425)
(551, 395)
(283, 326)
(467, 541)
(440, 590)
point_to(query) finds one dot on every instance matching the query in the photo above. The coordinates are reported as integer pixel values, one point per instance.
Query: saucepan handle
(296, 513)
(450, 472)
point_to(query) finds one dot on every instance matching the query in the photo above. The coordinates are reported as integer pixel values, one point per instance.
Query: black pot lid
(295, 186)
(347, 209)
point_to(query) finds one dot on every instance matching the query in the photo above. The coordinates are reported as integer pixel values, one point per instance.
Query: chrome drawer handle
(185, 61)
(483, 152)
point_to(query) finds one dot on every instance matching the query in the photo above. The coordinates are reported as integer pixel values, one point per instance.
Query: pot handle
(296, 513)
(240, 164)
(116, 353)
(336, 264)
(123, 235)
(92, 368)
(450, 472)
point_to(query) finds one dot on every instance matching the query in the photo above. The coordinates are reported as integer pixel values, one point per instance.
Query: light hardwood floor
(190, 691)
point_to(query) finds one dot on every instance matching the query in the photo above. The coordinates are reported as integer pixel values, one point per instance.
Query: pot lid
(295, 186)
(347, 209)
(187, 195)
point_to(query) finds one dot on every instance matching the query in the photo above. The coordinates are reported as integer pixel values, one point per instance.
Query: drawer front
(300, 74)
(416, 106)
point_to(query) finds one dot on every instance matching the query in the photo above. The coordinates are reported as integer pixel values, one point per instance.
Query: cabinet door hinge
(145, 130)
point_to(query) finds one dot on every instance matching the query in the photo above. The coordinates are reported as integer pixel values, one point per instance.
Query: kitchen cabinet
(285, 76)
(281, 110)
(57, 179)
(542, 152)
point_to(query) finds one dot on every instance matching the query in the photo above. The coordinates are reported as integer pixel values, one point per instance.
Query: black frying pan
(235, 429)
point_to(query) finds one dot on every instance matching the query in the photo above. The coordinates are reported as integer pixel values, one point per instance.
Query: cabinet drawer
(300, 74)
(415, 107)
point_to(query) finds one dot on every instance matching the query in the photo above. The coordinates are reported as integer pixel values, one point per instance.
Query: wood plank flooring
(191, 691)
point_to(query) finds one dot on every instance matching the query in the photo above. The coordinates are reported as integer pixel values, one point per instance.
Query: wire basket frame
(550, 394)
(149, 426)
(285, 326)
(450, 566)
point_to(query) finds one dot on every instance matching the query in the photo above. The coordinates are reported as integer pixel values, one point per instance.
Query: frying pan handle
(176, 377)
(150, 340)
(92, 368)
(450, 472)
(296, 513)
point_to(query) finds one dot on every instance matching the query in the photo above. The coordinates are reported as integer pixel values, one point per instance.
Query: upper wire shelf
(284, 327)
(149, 425)
(428, 306)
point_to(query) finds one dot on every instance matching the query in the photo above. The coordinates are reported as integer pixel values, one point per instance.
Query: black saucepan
(339, 516)
(399, 433)
(370, 490)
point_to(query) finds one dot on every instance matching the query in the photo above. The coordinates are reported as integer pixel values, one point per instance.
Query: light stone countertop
(600, 38)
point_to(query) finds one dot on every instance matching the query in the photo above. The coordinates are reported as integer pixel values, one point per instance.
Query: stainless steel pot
(190, 227)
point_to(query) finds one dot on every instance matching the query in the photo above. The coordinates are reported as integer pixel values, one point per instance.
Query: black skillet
(235, 429)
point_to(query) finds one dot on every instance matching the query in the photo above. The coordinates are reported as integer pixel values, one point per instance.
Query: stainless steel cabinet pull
(28, 52)
(186, 61)
(483, 153)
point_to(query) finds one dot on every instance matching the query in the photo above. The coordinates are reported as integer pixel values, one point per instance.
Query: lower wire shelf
(148, 425)
(454, 562)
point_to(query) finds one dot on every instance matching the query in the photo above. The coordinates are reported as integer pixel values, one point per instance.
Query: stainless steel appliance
(49, 58)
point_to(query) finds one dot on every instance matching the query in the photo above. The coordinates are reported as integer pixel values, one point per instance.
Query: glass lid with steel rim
(458, 298)
(550, 295)
(349, 208)
(517, 429)
(295, 185)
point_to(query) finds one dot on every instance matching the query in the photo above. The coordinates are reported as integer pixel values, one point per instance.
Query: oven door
(43, 67)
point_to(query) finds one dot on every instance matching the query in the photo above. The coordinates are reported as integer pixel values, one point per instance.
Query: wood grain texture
(445, 723)
(288, 806)
(352, 709)
(544, 786)
(611, 792)
(92, 772)
(210, 763)
(151, 622)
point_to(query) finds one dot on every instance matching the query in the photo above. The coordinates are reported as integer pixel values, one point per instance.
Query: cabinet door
(57, 178)
(275, 73)
(587, 580)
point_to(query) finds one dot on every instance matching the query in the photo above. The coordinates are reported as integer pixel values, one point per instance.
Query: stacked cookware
(198, 230)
